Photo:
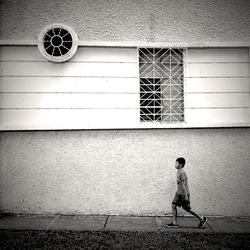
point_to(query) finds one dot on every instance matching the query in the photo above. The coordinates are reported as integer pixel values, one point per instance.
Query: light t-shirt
(182, 177)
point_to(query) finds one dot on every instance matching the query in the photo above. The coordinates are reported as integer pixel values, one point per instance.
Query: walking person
(182, 196)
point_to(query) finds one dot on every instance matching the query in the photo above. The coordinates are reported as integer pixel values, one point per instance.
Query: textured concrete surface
(115, 223)
(31, 222)
(126, 172)
(79, 223)
(230, 225)
(121, 223)
(142, 21)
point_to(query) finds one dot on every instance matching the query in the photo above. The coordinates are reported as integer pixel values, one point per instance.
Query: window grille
(161, 85)
(57, 43)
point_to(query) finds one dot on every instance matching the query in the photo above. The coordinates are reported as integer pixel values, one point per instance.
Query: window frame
(160, 123)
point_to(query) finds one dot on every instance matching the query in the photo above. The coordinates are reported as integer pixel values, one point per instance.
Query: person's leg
(174, 210)
(203, 220)
(186, 206)
(194, 214)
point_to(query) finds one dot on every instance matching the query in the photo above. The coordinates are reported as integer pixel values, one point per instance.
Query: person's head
(180, 163)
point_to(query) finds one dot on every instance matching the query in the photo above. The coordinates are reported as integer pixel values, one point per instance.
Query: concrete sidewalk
(120, 223)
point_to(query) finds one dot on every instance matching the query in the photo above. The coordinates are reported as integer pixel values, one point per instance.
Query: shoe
(202, 223)
(171, 225)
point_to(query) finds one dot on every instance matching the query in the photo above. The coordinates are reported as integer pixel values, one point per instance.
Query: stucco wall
(124, 172)
(130, 20)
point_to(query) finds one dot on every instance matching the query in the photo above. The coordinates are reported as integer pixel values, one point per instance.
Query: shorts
(179, 201)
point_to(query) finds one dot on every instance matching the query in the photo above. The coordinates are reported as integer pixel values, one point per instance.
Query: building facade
(98, 99)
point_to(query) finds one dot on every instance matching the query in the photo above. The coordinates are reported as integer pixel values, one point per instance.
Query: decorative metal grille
(57, 42)
(161, 85)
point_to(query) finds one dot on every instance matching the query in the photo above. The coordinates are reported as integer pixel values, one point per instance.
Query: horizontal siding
(220, 116)
(194, 55)
(114, 101)
(17, 53)
(99, 88)
(96, 89)
(116, 85)
(217, 86)
(69, 84)
(218, 100)
(55, 101)
(126, 55)
(69, 119)
(81, 69)
(121, 118)
(217, 70)
(84, 54)
(218, 55)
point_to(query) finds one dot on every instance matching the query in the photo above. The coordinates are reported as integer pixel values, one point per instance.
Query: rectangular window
(161, 85)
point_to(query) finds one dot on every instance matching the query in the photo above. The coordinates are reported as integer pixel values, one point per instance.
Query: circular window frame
(65, 57)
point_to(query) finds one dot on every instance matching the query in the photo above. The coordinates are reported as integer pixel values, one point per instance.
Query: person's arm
(185, 190)
(183, 185)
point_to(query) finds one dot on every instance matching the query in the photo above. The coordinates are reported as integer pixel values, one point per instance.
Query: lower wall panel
(69, 118)
(124, 171)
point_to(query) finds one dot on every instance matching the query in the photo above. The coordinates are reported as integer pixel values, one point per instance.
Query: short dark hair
(181, 160)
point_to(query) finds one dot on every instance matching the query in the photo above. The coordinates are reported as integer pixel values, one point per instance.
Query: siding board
(217, 70)
(218, 100)
(17, 53)
(84, 54)
(224, 85)
(127, 55)
(121, 118)
(90, 101)
(38, 69)
(68, 84)
(217, 116)
(68, 119)
(215, 55)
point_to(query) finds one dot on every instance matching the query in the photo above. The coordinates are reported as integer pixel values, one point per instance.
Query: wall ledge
(15, 42)
(139, 127)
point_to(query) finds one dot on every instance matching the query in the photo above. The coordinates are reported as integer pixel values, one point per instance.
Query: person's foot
(172, 225)
(202, 223)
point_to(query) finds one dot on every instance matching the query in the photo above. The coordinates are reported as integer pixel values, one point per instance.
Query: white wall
(124, 171)
(99, 88)
(217, 86)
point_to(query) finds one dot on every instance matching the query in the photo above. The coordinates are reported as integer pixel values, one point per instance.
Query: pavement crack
(106, 222)
(52, 222)
(210, 227)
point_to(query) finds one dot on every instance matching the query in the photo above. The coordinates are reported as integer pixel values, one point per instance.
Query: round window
(58, 42)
